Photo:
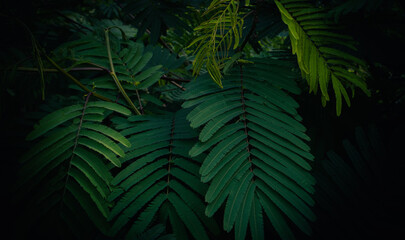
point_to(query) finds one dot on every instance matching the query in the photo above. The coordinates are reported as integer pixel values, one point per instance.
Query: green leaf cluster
(70, 163)
(324, 55)
(164, 152)
(159, 179)
(258, 162)
(220, 34)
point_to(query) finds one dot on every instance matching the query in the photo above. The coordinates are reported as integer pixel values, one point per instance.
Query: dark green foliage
(350, 188)
(119, 136)
(129, 61)
(354, 6)
(72, 161)
(257, 150)
(323, 53)
(156, 16)
(159, 178)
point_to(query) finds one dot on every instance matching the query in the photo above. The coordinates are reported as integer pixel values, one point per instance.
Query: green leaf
(187, 216)
(146, 217)
(242, 218)
(321, 50)
(55, 119)
(97, 147)
(256, 219)
(235, 200)
(107, 131)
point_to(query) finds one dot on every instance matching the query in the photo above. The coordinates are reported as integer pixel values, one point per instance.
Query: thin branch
(114, 76)
(170, 153)
(244, 116)
(77, 82)
(74, 147)
(139, 101)
(160, 40)
(178, 85)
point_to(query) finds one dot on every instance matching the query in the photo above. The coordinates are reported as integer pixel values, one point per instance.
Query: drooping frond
(257, 153)
(218, 35)
(324, 55)
(67, 170)
(159, 179)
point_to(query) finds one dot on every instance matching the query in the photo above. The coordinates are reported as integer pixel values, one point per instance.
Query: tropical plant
(218, 35)
(257, 157)
(195, 120)
(314, 39)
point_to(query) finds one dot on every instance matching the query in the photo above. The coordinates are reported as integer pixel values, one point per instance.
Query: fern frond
(256, 147)
(323, 55)
(127, 63)
(73, 153)
(159, 176)
(219, 34)
(129, 59)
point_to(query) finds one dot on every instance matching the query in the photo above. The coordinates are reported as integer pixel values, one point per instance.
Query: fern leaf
(54, 119)
(127, 63)
(158, 168)
(276, 218)
(241, 220)
(72, 156)
(318, 51)
(91, 175)
(256, 220)
(108, 132)
(146, 216)
(221, 32)
(235, 200)
(261, 147)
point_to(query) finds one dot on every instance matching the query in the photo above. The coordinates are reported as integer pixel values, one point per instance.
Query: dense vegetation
(222, 119)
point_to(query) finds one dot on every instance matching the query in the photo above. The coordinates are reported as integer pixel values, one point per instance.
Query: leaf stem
(77, 82)
(244, 117)
(170, 154)
(74, 147)
(114, 76)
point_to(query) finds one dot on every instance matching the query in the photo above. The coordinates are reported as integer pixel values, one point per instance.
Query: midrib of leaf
(114, 75)
(170, 153)
(242, 91)
(133, 79)
(74, 147)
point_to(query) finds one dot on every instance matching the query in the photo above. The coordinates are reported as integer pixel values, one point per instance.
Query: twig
(114, 76)
(178, 85)
(77, 82)
(139, 101)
